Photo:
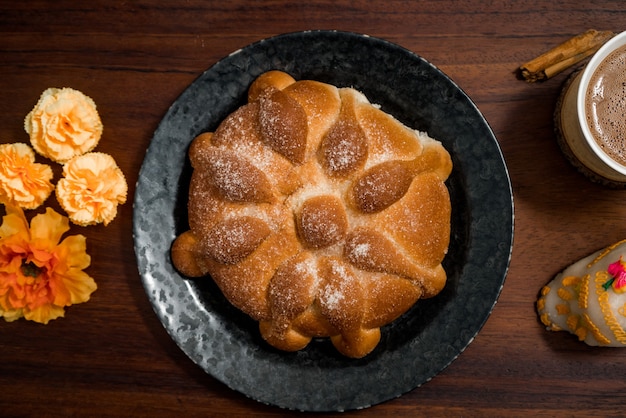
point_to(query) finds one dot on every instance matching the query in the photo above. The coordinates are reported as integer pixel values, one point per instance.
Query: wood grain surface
(112, 357)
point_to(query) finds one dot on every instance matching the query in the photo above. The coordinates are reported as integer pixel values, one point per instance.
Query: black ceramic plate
(414, 348)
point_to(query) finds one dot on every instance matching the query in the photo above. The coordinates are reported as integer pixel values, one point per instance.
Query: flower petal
(79, 285)
(44, 313)
(91, 188)
(11, 315)
(49, 227)
(74, 248)
(38, 275)
(23, 182)
(14, 223)
(615, 268)
(63, 124)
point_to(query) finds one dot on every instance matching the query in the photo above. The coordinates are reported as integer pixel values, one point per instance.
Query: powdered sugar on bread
(317, 214)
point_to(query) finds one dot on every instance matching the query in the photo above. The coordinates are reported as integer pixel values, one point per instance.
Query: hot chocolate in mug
(592, 114)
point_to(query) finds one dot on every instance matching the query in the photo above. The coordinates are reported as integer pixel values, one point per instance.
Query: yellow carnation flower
(22, 181)
(91, 188)
(40, 275)
(63, 124)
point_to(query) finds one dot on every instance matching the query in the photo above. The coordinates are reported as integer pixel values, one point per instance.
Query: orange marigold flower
(23, 182)
(64, 123)
(91, 188)
(40, 275)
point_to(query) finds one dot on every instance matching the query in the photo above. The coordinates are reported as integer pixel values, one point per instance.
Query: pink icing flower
(618, 271)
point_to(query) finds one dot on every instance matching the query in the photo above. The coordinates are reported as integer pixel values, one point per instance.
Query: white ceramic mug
(573, 119)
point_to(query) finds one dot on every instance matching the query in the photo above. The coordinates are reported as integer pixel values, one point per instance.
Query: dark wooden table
(112, 357)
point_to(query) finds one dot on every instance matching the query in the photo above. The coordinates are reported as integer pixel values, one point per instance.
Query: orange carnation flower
(63, 124)
(40, 276)
(22, 181)
(91, 188)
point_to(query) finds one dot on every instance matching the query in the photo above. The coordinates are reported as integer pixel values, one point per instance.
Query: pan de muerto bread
(317, 214)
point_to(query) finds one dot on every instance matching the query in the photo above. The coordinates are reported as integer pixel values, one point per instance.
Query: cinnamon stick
(563, 56)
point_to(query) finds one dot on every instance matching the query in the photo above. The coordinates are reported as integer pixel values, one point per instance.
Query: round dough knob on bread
(317, 214)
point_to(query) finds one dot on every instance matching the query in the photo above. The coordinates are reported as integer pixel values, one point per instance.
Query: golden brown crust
(381, 186)
(321, 221)
(283, 125)
(185, 255)
(271, 79)
(317, 214)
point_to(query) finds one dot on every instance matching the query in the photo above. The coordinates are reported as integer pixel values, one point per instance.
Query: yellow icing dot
(595, 331)
(601, 278)
(570, 281)
(562, 309)
(622, 310)
(583, 293)
(572, 322)
(565, 294)
(545, 319)
(541, 304)
(603, 300)
(545, 290)
(581, 333)
(604, 252)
